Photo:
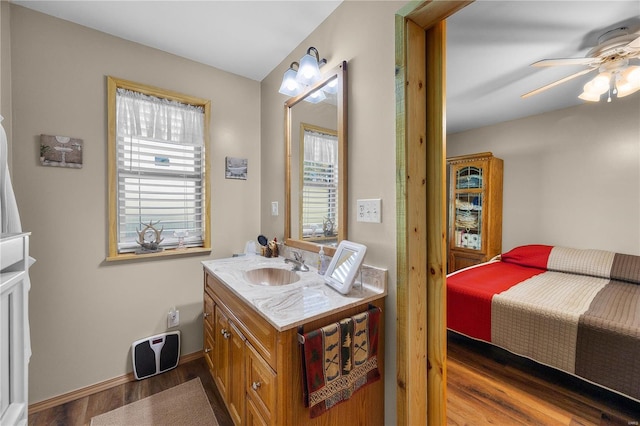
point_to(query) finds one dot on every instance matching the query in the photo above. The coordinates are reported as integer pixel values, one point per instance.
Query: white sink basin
(271, 276)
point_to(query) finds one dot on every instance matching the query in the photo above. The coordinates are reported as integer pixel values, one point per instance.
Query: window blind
(160, 170)
(320, 184)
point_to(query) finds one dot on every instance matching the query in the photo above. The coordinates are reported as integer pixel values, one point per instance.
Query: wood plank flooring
(485, 386)
(489, 386)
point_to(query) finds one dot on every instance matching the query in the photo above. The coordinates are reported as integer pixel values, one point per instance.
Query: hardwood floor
(486, 386)
(490, 386)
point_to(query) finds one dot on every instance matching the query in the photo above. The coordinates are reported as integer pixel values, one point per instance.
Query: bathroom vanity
(251, 325)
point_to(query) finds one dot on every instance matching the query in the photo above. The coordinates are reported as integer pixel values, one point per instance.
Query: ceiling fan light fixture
(600, 84)
(589, 96)
(626, 87)
(632, 74)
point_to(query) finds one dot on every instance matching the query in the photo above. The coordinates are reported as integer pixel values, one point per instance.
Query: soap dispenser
(322, 261)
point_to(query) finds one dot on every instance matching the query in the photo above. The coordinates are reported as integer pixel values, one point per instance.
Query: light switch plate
(274, 208)
(369, 210)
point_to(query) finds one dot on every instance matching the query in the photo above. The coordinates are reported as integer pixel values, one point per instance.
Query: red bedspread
(577, 310)
(469, 294)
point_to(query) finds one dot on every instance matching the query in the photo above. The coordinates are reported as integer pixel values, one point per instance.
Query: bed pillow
(626, 267)
(592, 262)
(532, 256)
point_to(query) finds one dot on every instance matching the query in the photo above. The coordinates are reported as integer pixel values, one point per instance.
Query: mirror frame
(339, 72)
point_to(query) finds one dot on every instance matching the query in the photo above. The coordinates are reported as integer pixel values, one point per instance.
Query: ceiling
(490, 44)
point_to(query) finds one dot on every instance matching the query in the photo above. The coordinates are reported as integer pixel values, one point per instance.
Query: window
(157, 170)
(319, 184)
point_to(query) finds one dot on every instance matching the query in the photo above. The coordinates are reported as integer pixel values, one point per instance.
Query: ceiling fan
(611, 58)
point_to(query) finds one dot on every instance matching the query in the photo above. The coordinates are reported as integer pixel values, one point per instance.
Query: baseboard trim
(98, 387)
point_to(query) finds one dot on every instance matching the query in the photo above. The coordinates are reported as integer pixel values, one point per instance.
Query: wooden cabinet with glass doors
(475, 209)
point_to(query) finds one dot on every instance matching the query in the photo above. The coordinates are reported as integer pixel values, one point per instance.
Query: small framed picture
(235, 168)
(61, 151)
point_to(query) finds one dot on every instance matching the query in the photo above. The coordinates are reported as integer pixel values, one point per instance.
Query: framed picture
(235, 168)
(61, 151)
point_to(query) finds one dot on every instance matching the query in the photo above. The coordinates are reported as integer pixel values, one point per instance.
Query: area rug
(185, 404)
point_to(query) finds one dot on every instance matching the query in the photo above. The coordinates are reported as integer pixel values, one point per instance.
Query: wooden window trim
(112, 85)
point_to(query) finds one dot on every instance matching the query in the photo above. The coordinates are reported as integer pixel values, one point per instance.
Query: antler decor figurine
(149, 238)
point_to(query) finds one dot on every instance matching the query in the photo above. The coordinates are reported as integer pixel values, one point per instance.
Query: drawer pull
(256, 385)
(225, 333)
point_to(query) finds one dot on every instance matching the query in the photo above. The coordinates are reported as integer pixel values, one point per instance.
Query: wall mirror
(316, 164)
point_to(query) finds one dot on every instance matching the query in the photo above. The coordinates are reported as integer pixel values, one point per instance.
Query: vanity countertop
(288, 306)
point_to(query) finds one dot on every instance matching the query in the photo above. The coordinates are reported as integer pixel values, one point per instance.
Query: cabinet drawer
(260, 384)
(255, 328)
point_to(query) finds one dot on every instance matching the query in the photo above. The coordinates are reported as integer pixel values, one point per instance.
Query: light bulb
(332, 86)
(599, 84)
(316, 97)
(290, 85)
(632, 74)
(589, 96)
(309, 71)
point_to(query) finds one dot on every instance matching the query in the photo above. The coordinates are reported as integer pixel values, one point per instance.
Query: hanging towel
(339, 359)
(9, 216)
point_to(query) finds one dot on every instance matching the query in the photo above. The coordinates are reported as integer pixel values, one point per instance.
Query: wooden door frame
(421, 211)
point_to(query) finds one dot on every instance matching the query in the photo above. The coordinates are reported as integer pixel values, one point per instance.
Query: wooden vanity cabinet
(258, 369)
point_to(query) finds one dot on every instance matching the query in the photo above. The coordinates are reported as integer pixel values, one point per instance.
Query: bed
(572, 309)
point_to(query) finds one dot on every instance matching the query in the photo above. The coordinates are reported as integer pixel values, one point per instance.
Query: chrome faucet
(298, 262)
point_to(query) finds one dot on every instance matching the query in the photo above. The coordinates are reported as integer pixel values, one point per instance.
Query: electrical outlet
(173, 318)
(369, 210)
(274, 208)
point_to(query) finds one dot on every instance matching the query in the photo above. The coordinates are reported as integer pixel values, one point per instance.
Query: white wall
(85, 312)
(571, 177)
(362, 33)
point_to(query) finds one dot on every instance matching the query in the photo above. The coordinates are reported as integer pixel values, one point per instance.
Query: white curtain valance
(161, 120)
(320, 147)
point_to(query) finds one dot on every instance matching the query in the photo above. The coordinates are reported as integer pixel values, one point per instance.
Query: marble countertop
(290, 305)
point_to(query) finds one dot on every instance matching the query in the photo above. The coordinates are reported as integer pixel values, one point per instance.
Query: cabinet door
(261, 384)
(467, 197)
(236, 390)
(254, 418)
(221, 353)
(208, 326)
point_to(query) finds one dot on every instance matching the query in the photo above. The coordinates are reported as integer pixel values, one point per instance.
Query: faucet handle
(297, 256)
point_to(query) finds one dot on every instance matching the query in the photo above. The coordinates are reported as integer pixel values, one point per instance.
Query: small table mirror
(344, 266)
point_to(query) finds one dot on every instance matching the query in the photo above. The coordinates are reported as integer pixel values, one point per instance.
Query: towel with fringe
(339, 359)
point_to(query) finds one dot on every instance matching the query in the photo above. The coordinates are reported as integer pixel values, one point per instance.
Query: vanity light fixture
(305, 73)
(316, 97)
(290, 85)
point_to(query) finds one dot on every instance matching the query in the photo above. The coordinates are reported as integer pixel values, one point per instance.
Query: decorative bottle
(322, 261)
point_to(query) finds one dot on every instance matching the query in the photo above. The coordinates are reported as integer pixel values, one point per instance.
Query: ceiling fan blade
(555, 83)
(635, 44)
(565, 61)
